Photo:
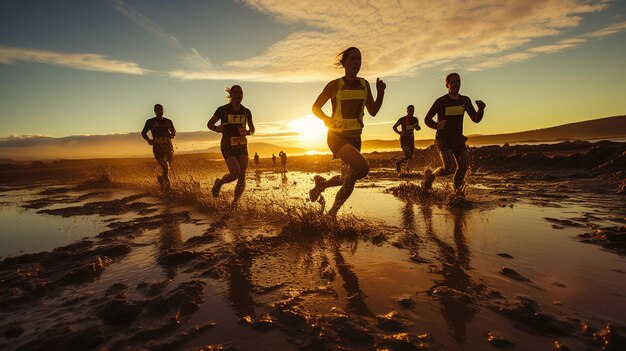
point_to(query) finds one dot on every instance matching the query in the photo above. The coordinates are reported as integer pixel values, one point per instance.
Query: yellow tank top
(342, 123)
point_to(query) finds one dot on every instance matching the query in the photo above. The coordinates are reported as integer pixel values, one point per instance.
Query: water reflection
(292, 259)
(455, 283)
(240, 285)
(356, 296)
(257, 178)
(168, 241)
(410, 239)
(285, 180)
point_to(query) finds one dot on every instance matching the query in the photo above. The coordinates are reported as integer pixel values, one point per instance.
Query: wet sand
(532, 257)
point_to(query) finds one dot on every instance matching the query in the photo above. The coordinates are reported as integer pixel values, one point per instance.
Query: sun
(310, 129)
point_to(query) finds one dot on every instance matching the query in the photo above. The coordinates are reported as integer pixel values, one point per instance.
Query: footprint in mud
(406, 302)
(513, 274)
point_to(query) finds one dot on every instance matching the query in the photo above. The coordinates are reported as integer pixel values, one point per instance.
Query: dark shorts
(336, 141)
(408, 146)
(163, 152)
(236, 151)
(456, 145)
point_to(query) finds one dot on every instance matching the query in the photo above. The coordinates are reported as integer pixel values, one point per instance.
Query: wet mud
(408, 268)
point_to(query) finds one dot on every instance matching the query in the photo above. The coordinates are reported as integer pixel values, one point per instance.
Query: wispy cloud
(87, 62)
(610, 30)
(200, 66)
(146, 24)
(398, 38)
(497, 61)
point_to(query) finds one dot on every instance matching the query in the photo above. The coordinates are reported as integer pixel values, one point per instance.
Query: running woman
(235, 125)
(349, 96)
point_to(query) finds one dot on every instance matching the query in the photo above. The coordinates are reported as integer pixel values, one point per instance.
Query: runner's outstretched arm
(428, 119)
(476, 116)
(211, 125)
(172, 130)
(374, 106)
(321, 101)
(251, 128)
(395, 127)
(144, 133)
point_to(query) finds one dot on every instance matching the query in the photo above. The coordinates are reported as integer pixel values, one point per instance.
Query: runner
(449, 139)
(283, 161)
(234, 118)
(349, 96)
(409, 124)
(274, 161)
(256, 160)
(162, 132)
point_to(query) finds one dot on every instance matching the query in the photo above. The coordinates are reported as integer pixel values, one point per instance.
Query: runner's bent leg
(358, 168)
(241, 180)
(234, 170)
(232, 175)
(449, 163)
(462, 159)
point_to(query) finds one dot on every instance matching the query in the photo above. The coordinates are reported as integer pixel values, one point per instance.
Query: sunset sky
(74, 68)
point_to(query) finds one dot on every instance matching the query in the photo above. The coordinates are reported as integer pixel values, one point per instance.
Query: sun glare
(310, 129)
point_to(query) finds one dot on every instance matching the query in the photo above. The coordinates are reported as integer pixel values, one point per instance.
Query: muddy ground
(531, 257)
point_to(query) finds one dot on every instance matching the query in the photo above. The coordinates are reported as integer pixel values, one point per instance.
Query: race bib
(455, 110)
(238, 140)
(236, 119)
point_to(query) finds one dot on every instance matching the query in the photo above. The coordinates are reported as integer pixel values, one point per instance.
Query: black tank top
(232, 120)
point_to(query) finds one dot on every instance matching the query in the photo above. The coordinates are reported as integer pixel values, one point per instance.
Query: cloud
(200, 66)
(86, 62)
(398, 38)
(146, 24)
(610, 30)
(497, 61)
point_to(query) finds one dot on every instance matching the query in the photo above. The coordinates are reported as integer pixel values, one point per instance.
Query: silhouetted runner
(349, 96)
(256, 160)
(162, 132)
(283, 161)
(449, 139)
(234, 118)
(274, 161)
(409, 124)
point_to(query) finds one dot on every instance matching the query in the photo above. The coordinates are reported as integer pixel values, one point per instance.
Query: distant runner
(274, 161)
(234, 118)
(349, 96)
(409, 124)
(162, 132)
(256, 160)
(283, 161)
(449, 139)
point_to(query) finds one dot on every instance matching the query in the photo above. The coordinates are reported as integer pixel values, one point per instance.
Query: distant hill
(265, 149)
(377, 144)
(603, 128)
(22, 150)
